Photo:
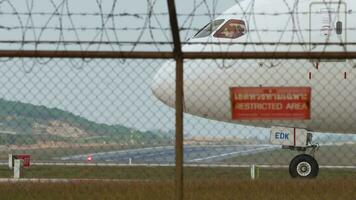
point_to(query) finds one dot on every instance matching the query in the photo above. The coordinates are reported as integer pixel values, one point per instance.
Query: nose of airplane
(163, 85)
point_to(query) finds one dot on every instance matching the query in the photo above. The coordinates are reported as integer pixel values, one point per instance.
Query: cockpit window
(232, 29)
(209, 28)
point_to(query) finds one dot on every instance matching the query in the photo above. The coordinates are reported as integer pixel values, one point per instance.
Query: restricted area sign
(270, 103)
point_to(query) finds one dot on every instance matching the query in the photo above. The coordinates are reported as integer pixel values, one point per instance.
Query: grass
(215, 189)
(158, 183)
(162, 173)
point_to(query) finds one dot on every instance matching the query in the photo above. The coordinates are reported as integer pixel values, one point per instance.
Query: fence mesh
(111, 122)
(60, 108)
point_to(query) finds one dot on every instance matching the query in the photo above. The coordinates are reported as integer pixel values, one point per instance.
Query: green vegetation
(19, 120)
(21, 139)
(23, 116)
(164, 173)
(200, 189)
(158, 183)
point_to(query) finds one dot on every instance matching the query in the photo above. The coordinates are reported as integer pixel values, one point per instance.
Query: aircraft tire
(304, 166)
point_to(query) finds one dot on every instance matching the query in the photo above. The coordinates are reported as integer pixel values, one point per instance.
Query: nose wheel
(304, 166)
(296, 139)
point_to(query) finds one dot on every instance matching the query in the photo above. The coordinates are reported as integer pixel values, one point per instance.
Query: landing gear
(304, 166)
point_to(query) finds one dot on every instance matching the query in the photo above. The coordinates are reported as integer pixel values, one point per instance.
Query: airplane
(294, 98)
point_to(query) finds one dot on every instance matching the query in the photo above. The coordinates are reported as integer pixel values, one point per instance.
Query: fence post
(17, 168)
(179, 98)
(179, 130)
(11, 161)
(253, 170)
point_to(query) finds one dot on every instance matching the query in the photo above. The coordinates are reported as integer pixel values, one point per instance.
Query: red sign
(26, 159)
(270, 103)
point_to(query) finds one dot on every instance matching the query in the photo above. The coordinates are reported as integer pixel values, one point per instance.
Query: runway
(204, 154)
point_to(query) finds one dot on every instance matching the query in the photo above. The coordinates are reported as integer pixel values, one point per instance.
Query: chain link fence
(70, 110)
(89, 93)
(207, 93)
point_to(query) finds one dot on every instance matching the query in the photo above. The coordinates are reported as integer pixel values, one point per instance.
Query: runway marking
(114, 152)
(126, 151)
(231, 153)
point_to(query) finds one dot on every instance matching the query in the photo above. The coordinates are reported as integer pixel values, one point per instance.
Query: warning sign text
(254, 103)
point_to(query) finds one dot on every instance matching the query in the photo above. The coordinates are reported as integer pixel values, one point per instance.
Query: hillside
(22, 123)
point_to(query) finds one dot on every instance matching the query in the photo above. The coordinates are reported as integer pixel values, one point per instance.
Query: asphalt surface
(208, 154)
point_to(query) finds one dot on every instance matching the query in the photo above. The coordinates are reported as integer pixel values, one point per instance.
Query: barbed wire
(183, 43)
(153, 28)
(140, 15)
(111, 25)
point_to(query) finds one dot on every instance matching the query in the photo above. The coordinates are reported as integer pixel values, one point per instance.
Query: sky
(105, 91)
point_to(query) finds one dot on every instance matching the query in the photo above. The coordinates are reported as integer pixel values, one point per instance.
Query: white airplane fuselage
(207, 83)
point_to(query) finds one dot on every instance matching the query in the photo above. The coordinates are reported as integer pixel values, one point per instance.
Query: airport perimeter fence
(125, 92)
